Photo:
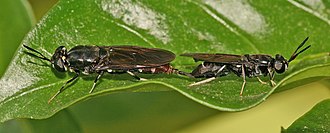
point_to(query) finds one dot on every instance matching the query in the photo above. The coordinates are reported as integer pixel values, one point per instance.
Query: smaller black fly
(111, 59)
(217, 65)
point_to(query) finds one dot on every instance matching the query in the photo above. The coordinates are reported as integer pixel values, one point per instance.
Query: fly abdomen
(167, 68)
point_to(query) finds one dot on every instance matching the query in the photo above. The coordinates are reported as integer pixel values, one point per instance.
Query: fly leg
(262, 82)
(77, 73)
(203, 81)
(244, 81)
(135, 76)
(271, 77)
(208, 79)
(183, 73)
(96, 79)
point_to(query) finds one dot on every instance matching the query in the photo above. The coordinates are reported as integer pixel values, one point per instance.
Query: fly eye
(59, 65)
(280, 67)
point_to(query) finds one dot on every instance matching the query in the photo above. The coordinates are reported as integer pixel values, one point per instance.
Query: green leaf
(62, 122)
(314, 121)
(187, 26)
(117, 112)
(17, 21)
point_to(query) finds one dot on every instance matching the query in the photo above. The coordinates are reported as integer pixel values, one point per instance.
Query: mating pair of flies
(135, 59)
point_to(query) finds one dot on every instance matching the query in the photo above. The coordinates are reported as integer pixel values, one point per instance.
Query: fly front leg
(244, 81)
(262, 82)
(271, 77)
(96, 79)
(135, 76)
(77, 73)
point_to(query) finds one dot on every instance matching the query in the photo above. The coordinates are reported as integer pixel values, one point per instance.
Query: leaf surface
(18, 21)
(314, 121)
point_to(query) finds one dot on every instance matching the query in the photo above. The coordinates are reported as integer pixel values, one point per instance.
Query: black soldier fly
(217, 65)
(111, 59)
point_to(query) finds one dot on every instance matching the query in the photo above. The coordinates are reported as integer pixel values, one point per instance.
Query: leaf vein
(224, 23)
(309, 10)
(136, 33)
(29, 91)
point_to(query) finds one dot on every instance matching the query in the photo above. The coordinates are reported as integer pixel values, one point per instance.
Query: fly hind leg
(135, 76)
(209, 79)
(203, 81)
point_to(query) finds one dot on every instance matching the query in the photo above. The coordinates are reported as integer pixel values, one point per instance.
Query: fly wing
(131, 57)
(217, 58)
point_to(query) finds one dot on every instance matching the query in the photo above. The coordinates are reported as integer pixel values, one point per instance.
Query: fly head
(280, 64)
(59, 59)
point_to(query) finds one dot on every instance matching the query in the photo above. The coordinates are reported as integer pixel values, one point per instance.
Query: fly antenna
(41, 55)
(296, 53)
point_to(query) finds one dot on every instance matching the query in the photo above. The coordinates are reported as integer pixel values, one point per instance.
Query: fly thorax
(88, 70)
(85, 72)
(257, 70)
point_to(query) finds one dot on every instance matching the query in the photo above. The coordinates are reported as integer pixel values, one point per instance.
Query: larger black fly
(111, 59)
(217, 65)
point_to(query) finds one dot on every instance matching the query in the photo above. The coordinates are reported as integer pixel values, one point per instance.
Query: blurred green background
(158, 111)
